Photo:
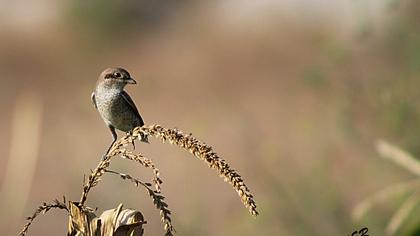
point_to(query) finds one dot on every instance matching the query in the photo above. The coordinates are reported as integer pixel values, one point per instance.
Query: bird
(114, 105)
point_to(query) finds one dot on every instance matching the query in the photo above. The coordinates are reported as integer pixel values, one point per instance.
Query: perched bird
(115, 106)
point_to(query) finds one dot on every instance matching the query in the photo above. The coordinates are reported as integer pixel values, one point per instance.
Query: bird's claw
(144, 138)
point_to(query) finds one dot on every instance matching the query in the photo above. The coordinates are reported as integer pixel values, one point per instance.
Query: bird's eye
(117, 75)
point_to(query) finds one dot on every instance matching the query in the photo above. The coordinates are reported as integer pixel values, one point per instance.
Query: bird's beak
(131, 81)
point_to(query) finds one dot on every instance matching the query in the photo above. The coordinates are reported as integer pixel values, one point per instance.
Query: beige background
(293, 94)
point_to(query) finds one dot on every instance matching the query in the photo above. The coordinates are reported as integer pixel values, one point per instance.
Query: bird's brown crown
(115, 73)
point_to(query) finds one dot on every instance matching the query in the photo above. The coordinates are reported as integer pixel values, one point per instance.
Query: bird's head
(115, 78)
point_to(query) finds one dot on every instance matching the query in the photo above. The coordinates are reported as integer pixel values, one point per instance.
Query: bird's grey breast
(114, 109)
(104, 101)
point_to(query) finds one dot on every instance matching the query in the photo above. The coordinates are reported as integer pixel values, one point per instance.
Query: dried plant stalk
(205, 153)
(94, 178)
(174, 136)
(97, 173)
(43, 209)
(118, 150)
(146, 163)
(117, 222)
(185, 141)
(165, 213)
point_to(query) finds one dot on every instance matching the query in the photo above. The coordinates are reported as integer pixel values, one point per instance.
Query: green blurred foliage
(395, 101)
(111, 20)
(385, 101)
(314, 77)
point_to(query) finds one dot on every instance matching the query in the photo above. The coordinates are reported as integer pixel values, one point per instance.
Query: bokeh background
(293, 94)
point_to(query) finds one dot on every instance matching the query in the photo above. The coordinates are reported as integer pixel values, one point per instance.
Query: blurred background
(293, 94)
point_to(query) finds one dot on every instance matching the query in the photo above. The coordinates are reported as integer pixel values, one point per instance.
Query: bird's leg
(132, 142)
(114, 139)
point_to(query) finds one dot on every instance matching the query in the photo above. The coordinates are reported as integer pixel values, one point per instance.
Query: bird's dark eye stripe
(108, 76)
(117, 74)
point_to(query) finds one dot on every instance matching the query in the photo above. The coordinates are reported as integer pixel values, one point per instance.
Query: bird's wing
(92, 97)
(132, 106)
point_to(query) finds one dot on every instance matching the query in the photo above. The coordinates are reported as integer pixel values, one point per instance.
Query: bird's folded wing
(92, 97)
(132, 106)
